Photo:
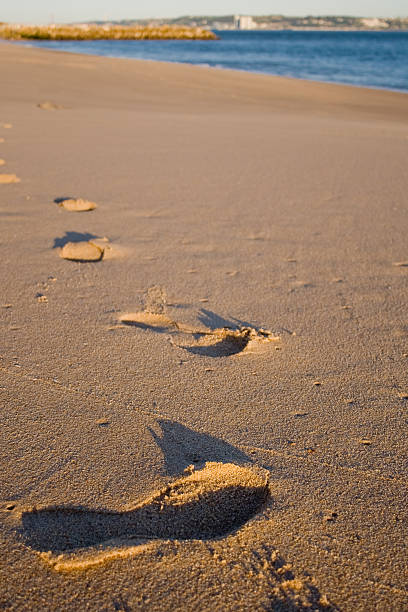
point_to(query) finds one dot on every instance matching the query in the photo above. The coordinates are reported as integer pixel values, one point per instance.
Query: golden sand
(81, 251)
(234, 204)
(77, 205)
(9, 178)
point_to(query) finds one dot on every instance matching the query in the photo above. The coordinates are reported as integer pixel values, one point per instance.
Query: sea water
(368, 59)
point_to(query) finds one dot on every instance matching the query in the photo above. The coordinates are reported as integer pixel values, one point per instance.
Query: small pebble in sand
(316, 383)
(330, 517)
(81, 251)
(365, 442)
(401, 264)
(103, 422)
(41, 298)
(403, 396)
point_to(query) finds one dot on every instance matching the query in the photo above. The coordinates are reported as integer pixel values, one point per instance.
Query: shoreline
(203, 368)
(31, 44)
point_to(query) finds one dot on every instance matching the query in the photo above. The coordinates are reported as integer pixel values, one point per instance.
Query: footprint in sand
(9, 178)
(82, 247)
(82, 251)
(49, 106)
(211, 341)
(85, 247)
(202, 505)
(75, 204)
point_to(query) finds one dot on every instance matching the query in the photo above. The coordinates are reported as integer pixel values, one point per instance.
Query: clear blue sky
(44, 11)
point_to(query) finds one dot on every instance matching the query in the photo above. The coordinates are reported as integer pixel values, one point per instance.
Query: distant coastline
(274, 22)
(107, 32)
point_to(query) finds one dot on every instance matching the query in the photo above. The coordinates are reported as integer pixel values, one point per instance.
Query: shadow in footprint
(64, 199)
(225, 344)
(72, 237)
(159, 323)
(182, 446)
(213, 321)
(206, 504)
(225, 338)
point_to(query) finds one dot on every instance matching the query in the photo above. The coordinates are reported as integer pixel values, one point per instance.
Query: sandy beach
(204, 339)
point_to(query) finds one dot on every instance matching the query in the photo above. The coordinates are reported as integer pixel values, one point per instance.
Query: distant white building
(374, 23)
(244, 22)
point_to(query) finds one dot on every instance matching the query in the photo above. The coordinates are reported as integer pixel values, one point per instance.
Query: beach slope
(204, 339)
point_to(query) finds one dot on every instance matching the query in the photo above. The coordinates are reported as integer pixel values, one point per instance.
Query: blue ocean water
(368, 59)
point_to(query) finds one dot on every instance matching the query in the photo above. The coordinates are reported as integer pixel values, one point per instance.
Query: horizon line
(212, 16)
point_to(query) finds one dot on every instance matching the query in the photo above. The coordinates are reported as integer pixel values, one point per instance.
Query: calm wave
(369, 59)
